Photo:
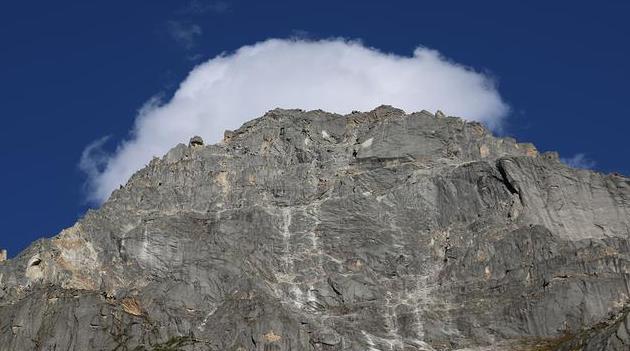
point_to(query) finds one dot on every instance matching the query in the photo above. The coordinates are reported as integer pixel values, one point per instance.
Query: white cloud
(185, 34)
(94, 159)
(579, 160)
(334, 75)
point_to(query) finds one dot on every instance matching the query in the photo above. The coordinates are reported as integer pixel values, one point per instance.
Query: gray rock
(612, 334)
(314, 231)
(196, 141)
(3, 255)
(227, 135)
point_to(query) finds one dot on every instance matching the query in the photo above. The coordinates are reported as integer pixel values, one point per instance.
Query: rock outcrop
(315, 231)
(195, 141)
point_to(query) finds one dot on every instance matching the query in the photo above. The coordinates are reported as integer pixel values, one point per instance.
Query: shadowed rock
(196, 141)
(315, 231)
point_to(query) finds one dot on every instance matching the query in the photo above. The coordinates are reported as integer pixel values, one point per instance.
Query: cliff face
(315, 231)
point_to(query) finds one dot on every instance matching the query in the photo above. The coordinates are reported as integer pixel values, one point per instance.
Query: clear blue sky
(73, 71)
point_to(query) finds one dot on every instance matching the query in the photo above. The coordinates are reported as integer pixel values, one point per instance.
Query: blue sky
(75, 71)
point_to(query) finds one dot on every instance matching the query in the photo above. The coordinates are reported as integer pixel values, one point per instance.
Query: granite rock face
(315, 231)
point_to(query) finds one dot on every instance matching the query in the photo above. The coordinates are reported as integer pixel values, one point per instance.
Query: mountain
(316, 231)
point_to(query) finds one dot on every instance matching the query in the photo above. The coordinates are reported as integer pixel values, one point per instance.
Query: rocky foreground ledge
(315, 231)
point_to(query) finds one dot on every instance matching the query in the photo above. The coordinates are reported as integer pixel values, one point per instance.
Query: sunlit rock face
(314, 231)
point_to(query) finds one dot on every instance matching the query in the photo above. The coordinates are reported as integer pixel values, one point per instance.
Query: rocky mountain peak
(306, 230)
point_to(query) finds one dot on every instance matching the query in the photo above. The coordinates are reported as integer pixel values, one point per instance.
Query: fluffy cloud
(334, 75)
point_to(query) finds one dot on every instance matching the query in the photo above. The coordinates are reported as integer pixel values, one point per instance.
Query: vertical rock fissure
(286, 239)
(508, 182)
